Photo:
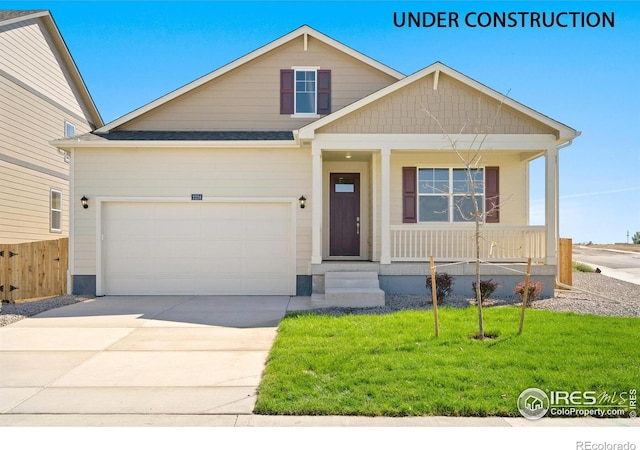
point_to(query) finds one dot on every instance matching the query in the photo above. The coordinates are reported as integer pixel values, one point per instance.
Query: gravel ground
(12, 312)
(623, 300)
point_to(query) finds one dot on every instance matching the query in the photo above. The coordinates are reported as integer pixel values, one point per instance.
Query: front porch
(456, 242)
(386, 237)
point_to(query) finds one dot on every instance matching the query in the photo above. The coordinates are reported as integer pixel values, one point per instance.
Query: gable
(248, 96)
(31, 58)
(458, 107)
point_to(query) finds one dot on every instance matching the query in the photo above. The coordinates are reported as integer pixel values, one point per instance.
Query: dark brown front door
(344, 213)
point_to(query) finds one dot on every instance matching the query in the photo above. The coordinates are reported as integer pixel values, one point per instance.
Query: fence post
(565, 259)
(434, 296)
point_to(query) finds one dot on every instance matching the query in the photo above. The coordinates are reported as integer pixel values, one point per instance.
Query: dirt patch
(623, 247)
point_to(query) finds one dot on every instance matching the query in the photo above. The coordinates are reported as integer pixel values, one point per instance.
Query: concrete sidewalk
(250, 420)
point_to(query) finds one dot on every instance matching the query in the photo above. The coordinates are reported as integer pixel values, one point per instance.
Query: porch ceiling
(347, 156)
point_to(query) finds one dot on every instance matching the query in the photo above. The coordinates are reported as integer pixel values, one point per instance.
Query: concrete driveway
(139, 355)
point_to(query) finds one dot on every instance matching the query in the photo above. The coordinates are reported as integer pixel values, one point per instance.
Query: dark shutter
(287, 84)
(492, 194)
(324, 92)
(409, 195)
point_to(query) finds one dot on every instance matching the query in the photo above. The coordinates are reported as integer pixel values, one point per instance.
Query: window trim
(450, 195)
(52, 210)
(311, 115)
(66, 125)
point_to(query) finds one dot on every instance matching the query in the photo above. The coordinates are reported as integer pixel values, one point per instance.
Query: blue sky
(131, 53)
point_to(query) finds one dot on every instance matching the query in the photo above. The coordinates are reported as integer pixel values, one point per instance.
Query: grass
(393, 365)
(580, 267)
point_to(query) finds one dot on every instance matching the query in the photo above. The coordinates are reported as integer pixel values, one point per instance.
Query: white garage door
(197, 248)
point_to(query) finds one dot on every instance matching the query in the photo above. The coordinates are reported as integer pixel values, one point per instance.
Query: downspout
(557, 211)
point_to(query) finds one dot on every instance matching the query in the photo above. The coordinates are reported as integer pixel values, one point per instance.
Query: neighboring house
(42, 97)
(305, 158)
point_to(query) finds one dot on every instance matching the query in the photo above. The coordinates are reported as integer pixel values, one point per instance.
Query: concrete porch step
(350, 290)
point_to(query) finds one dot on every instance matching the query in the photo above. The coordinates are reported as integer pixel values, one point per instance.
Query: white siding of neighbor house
(29, 166)
(29, 55)
(25, 204)
(248, 97)
(180, 172)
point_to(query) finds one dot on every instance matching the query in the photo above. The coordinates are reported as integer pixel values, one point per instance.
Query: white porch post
(316, 203)
(385, 220)
(551, 204)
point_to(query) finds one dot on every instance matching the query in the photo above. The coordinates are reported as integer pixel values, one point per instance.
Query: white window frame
(313, 114)
(68, 125)
(52, 210)
(450, 195)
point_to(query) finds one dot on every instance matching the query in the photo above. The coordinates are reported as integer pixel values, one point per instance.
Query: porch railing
(453, 242)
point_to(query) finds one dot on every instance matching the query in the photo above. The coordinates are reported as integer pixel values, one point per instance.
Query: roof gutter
(70, 144)
(565, 144)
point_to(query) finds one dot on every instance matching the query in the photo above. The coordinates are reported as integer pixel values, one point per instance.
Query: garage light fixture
(302, 201)
(85, 202)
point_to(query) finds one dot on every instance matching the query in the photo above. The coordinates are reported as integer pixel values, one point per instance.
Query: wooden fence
(565, 259)
(33, 269)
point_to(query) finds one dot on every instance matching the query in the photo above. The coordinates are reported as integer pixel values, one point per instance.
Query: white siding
(248, 97)
(29, 164)
(29, 55)
(179, 172)
(25, 204)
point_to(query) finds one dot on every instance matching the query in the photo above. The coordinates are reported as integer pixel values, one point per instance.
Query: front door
(344, 214)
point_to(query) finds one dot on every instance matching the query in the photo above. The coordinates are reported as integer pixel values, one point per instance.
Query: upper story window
(305, 91)
(305, 98)
(69, 129)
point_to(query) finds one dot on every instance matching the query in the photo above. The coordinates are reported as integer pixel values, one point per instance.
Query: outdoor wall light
(85, 202)
(302, 201)
(348, 155)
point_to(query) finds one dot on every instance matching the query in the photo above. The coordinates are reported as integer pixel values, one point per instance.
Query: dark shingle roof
(188, 136)
(12, 14)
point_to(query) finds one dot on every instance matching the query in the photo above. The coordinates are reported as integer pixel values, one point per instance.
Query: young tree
(471, 158)
(636, 238)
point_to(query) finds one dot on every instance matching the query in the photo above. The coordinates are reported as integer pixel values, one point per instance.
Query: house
(43, 97)
(307, 163)
(533, 403)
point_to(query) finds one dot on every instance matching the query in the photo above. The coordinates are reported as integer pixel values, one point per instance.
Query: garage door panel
(198, 248)
(221, 286)
(220, 266)
(259, 267)
(225, 248)
(266, 249)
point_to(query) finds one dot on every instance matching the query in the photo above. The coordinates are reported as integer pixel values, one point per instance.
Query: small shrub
(580, 267)
(444, 285)
(487, 287)
(535, 289)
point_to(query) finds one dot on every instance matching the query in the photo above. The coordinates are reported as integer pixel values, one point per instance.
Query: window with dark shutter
(324, 92)
(492, 194)
(409, 195)
(286, 91)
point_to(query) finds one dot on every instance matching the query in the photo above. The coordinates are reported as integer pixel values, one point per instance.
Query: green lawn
(393, 365)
